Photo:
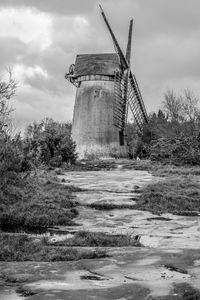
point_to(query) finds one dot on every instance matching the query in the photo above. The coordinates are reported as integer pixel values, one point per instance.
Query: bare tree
(173, 106)
(7, 91)
(190, 106)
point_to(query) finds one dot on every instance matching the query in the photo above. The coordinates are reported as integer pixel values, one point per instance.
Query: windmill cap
(97, 64)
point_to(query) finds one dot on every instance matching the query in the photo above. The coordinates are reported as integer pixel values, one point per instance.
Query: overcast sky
(40, 39)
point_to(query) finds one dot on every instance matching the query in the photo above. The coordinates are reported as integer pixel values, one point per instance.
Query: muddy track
(166, 267)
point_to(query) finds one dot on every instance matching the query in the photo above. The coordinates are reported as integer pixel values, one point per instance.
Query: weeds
(177, 196)
(167, 170)
(186, 291)
(21, 247)
(37, 205)
(99, 239)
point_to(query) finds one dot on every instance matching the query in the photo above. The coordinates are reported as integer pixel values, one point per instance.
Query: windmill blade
(126, 79)
(136, 103)
(126, 90)
(128, 48)
(121, 81)
(119, 51)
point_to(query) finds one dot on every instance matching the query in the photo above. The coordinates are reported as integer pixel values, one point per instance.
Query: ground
(137, 248)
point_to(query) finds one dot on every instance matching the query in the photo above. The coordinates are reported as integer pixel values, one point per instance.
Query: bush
(176, 196)
(13, 161)
(99, 239)
(24, 248)
(180, 150)
(50, 143)
(37, 206)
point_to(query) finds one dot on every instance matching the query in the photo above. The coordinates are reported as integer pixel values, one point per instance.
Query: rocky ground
(165, 266)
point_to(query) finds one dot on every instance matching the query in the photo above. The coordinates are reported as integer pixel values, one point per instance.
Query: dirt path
(167, 267)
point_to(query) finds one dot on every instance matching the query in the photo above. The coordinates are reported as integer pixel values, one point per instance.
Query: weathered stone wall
(93, 128)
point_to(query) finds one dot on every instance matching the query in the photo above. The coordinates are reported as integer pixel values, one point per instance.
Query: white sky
(41, 38)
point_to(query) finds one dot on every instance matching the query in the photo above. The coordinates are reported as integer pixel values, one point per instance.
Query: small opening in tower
(121, 138)
(97, 93)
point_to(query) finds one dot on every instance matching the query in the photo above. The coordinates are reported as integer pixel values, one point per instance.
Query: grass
(186, 291)
(21, 247)
(179, 196)
(162, 170)
(98, 239)
(37, 205)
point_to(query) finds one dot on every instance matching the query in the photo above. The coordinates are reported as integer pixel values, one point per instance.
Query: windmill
(106, 88)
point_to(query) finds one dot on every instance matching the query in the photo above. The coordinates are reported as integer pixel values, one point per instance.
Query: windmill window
(121, 138)
(97, 93)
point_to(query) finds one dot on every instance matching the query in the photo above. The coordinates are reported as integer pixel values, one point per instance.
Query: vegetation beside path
(21, 247)
(177, 192)
(176, 196)
(99, 239)
(37, 205)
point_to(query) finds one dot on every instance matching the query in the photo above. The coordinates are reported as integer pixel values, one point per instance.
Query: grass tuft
(99, 239)
(20, 247)
(177, 196)
(38, 205)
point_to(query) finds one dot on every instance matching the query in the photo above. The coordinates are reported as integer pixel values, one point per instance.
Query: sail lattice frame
(133, 100)
(136, 103)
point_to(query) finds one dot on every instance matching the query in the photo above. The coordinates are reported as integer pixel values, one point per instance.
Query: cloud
(61, 7)
(33, 104)
(23, 72)
(71, 32)
(28, 25)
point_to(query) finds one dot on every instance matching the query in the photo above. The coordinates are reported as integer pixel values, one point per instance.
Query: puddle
(148, 272)
(158, 219)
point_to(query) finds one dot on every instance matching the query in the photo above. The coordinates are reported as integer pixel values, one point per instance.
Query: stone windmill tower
(105, 87)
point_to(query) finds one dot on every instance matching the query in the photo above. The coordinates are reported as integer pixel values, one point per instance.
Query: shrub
(13, 161)
(37, 206)
(50, 143)
(99, 239)
(24, 248)
(180, 150)
(177, 196)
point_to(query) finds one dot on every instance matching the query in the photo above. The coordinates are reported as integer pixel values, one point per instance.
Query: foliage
(99, 239)
(179, 150)
(166, 170)
(35, 205)
(7, 91)
(177, 196)
(172, 133)
(137, 148)
(180, 116)
(173, 106)
(14, 160)
(50, 142)
(181, 108)
(132, 139)
(24, 248)
(25, 202)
